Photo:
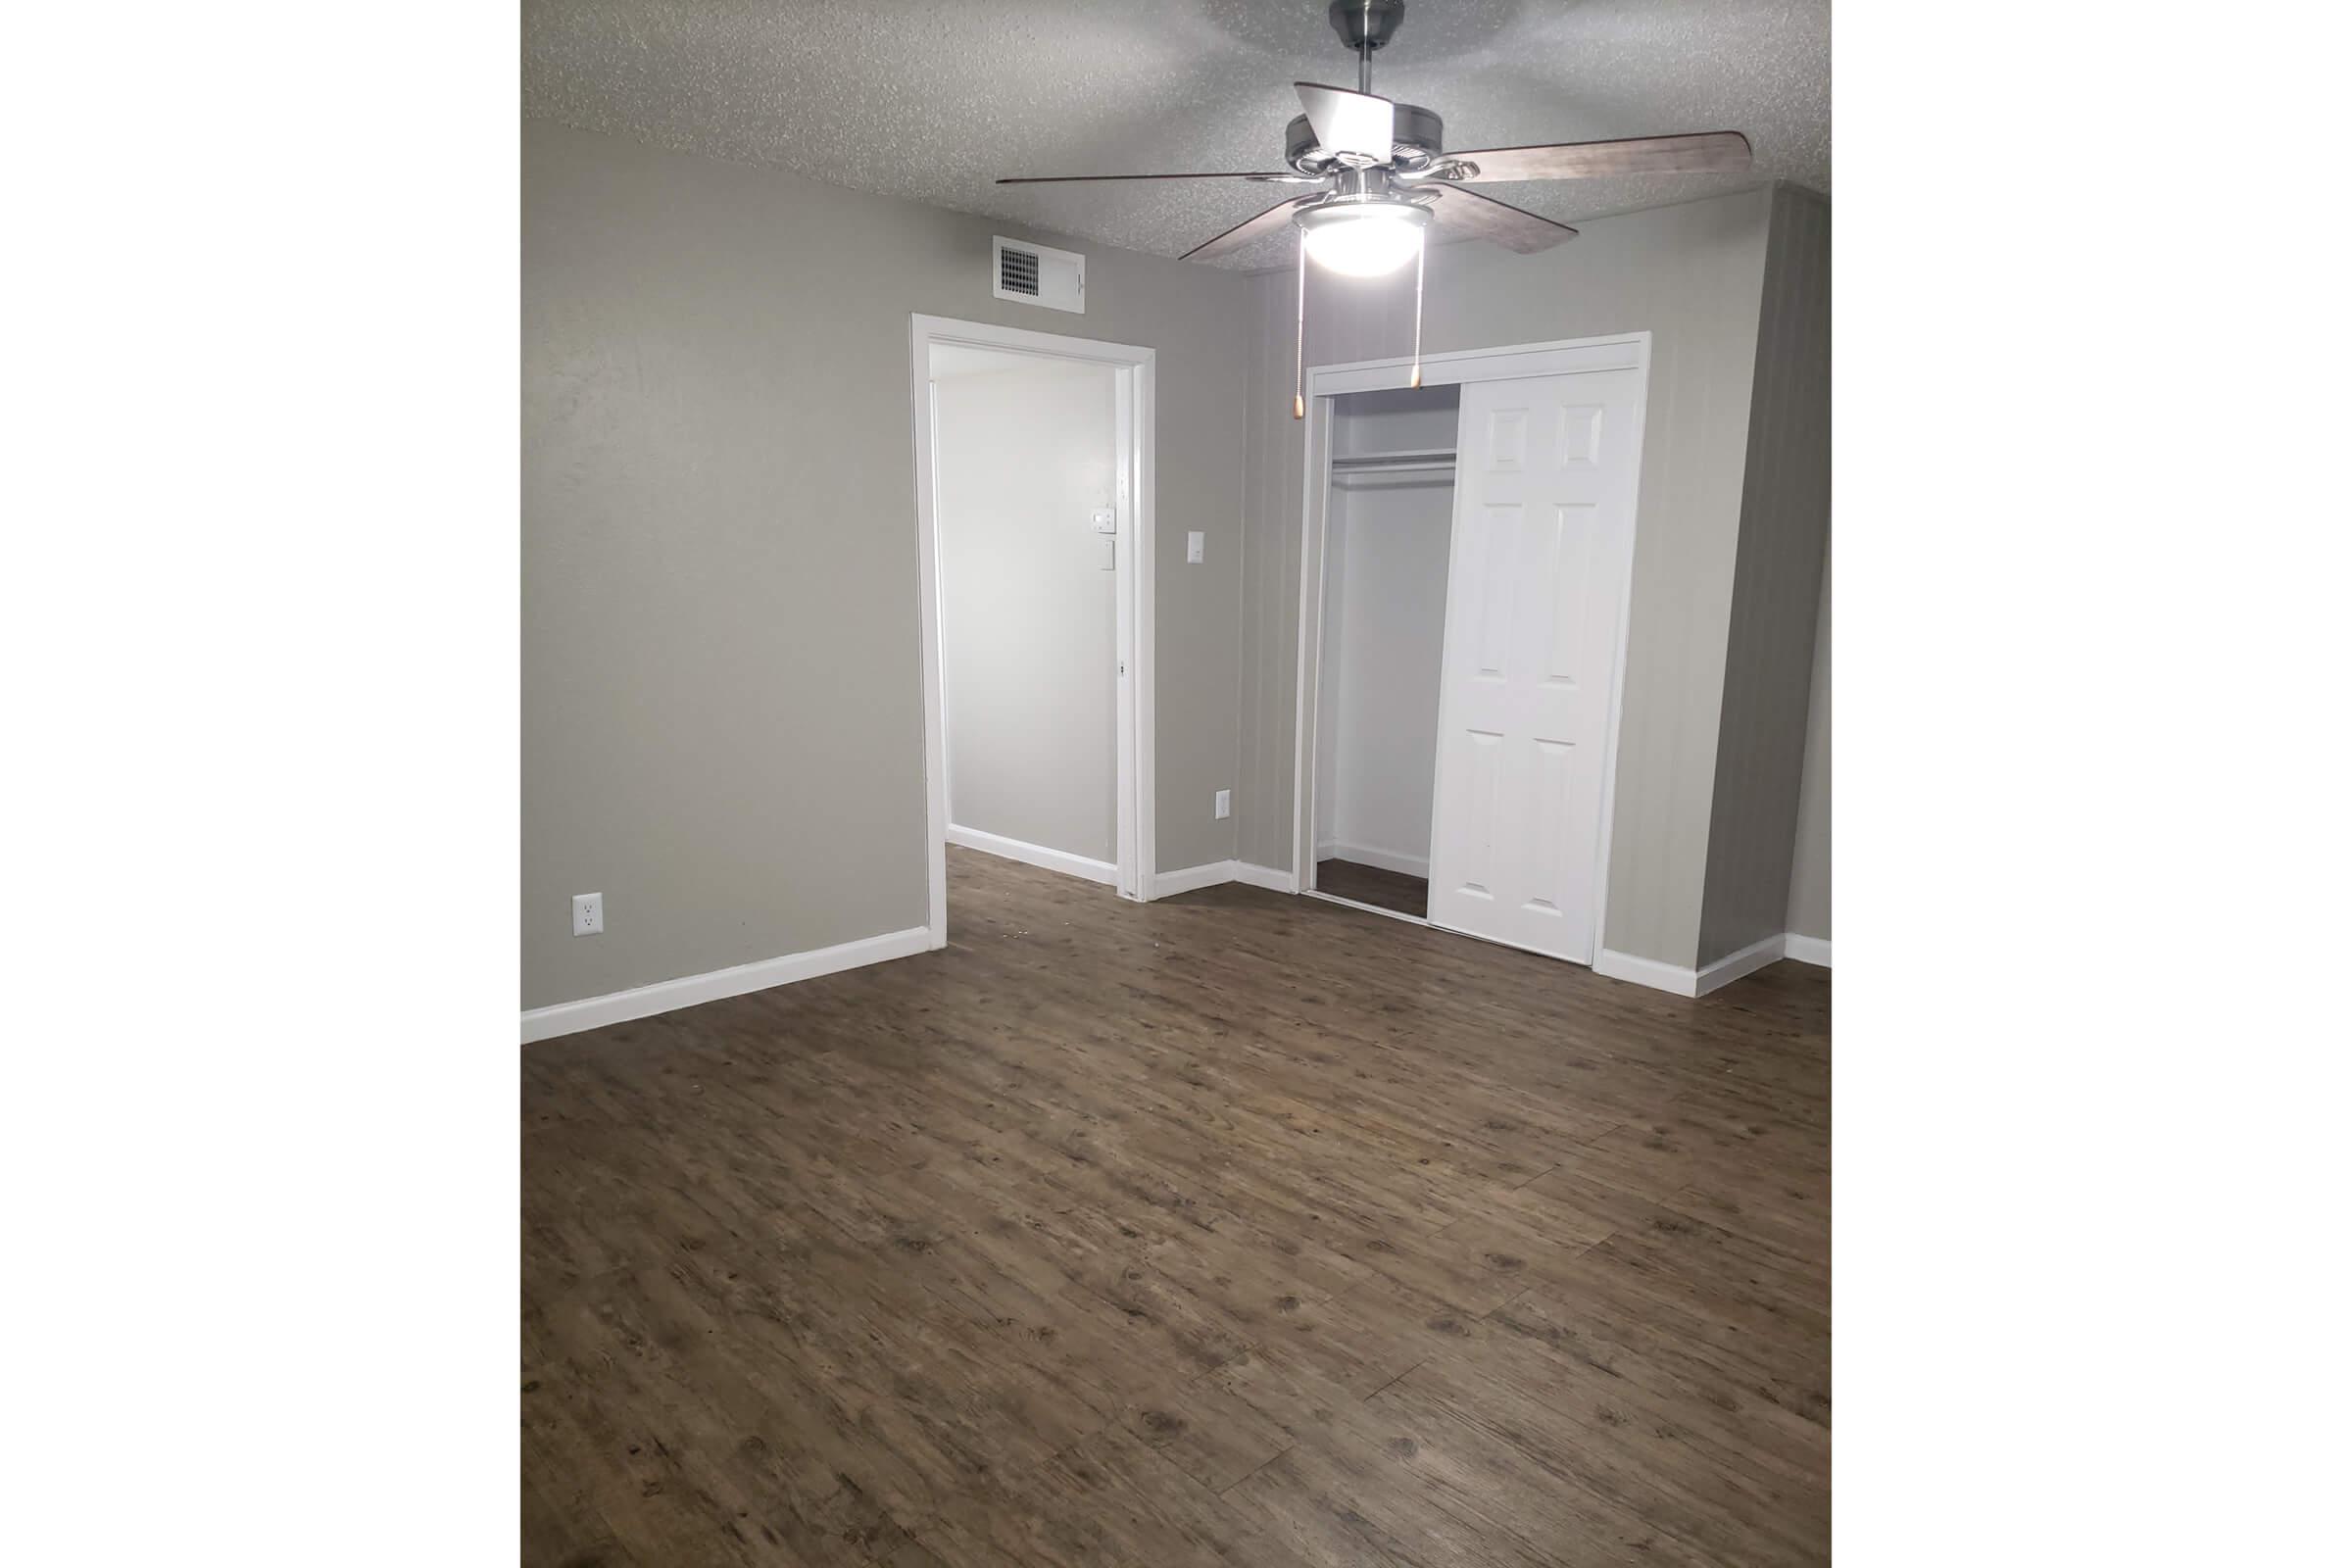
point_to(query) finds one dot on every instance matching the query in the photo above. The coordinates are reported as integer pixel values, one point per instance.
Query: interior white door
(1542, 551)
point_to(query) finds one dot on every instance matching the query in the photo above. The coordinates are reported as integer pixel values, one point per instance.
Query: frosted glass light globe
(1368, 241)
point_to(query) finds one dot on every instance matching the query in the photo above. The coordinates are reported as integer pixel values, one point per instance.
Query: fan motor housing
(1420, 139)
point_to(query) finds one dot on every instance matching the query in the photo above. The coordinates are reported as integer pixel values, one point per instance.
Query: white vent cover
(1039, 274)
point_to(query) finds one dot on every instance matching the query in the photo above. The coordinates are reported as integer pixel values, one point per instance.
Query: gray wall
(1776, 596)
(1388, 547)
(1809, 877)
(1387, 550)
(1691, 276)
(721, 701)
(1029, 621)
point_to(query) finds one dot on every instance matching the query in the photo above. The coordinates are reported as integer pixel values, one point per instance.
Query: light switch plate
(1224, 803)
(1106, 520)
(1196, 548)
(587, 915)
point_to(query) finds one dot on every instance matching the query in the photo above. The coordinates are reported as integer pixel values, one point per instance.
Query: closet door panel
(1542, 551)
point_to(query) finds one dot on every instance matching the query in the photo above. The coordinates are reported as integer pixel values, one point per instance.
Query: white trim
(1122, 638)
(1272, 878)
(1646, 973)
(1739, 966)
(946, 740)
(1715, 976)
(1572, 355)
(1625, 640)
(1037, 854)
(1135, 372)
(1168, 884)
(1629, 351)
(1138, 476)
(1379, 858)
(667, 996)
(1315, 488)
(1393, 914)
(929, 617)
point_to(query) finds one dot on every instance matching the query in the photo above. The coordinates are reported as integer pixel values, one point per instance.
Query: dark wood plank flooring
(1233, 1229)
(1370, 884)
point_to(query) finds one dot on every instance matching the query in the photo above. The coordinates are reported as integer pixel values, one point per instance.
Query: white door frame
(1134, 372)
(1629, 351)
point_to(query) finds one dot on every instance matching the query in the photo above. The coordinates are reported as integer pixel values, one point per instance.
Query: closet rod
(1365, 470)
(1392, 460)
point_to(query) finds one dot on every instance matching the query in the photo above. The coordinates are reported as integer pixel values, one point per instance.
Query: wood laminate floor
(1370, 884)
(1224, 1230)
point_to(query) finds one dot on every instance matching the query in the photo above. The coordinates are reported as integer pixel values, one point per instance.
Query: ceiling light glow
(1368, 240)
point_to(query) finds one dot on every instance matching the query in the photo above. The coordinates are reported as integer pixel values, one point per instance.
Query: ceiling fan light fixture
(1363, 239)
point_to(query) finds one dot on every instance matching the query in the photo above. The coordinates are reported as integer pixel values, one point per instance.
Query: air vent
(1016, 270)
(1040, 274)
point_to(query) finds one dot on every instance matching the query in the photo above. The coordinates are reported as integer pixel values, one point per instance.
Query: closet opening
(1388, 525)
(1465, 590)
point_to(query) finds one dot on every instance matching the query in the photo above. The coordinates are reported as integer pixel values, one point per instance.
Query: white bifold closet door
(1542, 549)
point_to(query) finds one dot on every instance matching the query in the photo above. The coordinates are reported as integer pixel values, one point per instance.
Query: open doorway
(1032, 478)
(1027, 509)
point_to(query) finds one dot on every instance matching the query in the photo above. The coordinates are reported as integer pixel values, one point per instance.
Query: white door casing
(1136, 383)
(1543, 552)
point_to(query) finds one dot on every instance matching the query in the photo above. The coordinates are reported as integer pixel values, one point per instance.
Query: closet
(1387, 535)
(1467, 589)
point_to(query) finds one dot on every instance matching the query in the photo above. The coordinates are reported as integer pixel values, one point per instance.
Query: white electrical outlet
(1196, 548)
(588, 914)
(1224, 803)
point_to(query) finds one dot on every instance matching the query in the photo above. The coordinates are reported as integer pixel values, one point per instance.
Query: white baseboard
(1646, 973)
(1383, 860)
(1167, 884)
(1715, 976)
(1746, 961)
(667, 996)
(1037, 854)
(1272, 879)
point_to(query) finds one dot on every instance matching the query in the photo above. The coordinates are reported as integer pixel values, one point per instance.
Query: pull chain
(1420, 270)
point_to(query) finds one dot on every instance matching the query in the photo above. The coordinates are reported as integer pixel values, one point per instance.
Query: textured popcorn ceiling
(933, 100)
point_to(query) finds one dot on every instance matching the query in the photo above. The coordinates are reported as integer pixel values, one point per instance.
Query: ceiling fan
(1382, 178)
(1382, 175)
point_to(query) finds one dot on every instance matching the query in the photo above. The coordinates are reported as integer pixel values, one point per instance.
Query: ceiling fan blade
(1243, 234)
(1347, 122)
(1071, 179)
(1473, 216)
(1710, 152)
